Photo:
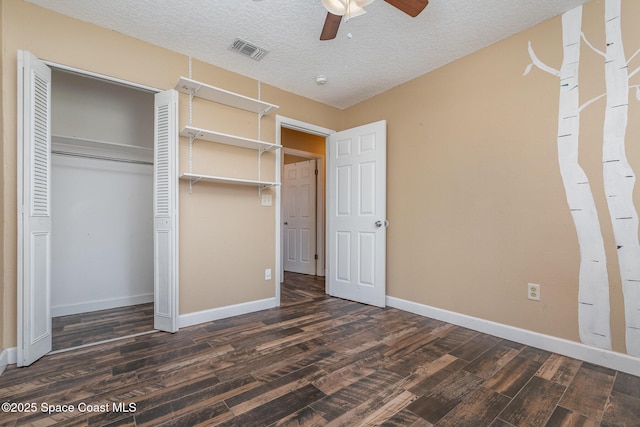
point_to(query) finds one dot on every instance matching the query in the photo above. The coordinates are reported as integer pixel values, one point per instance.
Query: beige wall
(226, 238)
(475, 198)
(297, 140)
(303, 141)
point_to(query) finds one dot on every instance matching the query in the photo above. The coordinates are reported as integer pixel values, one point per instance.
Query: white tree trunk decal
(593, 294)
(619, 178)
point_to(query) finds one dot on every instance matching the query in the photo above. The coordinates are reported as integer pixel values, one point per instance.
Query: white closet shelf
(223, 138)
(193, 177)
(221, 96)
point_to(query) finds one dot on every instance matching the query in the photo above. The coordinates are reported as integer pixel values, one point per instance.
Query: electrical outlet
(267, 274)
(533, 292)
(267, 200)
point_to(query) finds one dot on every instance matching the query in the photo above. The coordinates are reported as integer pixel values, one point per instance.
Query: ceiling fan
(336, 9)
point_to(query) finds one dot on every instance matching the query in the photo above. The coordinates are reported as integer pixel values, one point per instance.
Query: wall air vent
(248, 49)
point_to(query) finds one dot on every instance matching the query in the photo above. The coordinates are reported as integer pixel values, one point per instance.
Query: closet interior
(102, 219)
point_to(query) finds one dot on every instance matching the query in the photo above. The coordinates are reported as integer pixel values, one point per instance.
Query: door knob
(381, 223)
(286, 223)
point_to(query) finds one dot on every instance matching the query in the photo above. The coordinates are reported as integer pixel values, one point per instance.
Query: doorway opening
(300, 220)
(102, 139)
(356, 203)
(34, 189)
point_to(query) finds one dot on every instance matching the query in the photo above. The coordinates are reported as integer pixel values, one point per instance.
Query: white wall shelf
(194, 177)
(223, 138)
(90, 148)
(221, 96)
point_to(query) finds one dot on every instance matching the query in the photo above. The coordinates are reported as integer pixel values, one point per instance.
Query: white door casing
(356, 214)
(287, 122)
(34, 209)
(165, 211)
(299, 196)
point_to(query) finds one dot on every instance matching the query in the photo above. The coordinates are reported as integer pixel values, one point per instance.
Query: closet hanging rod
(90, 156)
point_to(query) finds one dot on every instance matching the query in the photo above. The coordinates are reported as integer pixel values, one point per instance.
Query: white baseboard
(203, 316)
(7, 357)
(65, 310)
(610, 359)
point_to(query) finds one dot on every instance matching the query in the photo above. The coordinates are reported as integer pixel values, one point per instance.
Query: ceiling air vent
(248, 49)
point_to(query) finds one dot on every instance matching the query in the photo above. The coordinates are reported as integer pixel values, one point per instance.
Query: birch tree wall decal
(619, 178)
(593, 293)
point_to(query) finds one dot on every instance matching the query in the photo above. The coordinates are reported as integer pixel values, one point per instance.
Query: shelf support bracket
(260, 188)
(191, 182)
(261, 150)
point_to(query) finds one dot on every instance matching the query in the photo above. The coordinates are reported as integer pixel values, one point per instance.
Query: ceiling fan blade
(331, 25)
(410, 7)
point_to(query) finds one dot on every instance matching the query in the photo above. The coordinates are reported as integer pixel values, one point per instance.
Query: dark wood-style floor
(86, 328)
(318, 361)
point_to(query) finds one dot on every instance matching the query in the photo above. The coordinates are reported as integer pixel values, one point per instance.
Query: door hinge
(316, 256)
(316, 172)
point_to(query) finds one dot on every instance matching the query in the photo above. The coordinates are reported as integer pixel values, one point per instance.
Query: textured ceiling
(387, 47)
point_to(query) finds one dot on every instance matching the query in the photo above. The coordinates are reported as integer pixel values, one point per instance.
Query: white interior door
(299, 196)
(34, 209)
(165, 211)
(356, 213)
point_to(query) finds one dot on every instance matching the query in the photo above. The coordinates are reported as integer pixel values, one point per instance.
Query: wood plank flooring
(319, 361)
(87, 328)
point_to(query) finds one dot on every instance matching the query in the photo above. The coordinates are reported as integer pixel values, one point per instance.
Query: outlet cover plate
(533, 292)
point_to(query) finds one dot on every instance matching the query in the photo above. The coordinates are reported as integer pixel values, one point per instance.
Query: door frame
(289, 123)
(90, 74)
(115, 80)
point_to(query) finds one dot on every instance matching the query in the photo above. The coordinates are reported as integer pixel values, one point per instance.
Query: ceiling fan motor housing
(336, 9)
(343, 7)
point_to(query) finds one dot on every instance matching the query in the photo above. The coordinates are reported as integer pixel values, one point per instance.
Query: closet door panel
(34, 209)
(165, 211)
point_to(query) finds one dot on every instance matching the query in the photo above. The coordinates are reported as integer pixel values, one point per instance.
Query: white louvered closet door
(34, 209)
(165, 211)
